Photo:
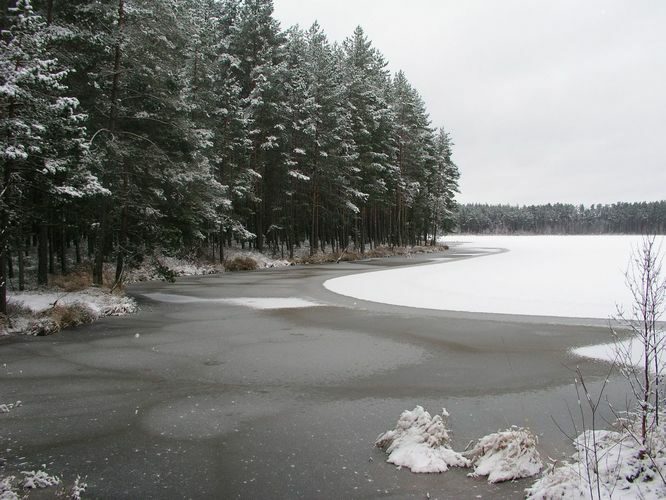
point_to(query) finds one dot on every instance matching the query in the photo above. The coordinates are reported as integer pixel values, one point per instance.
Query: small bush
(72, 314)
(165, 272)
(43, 327)
(58, 317)
(240, 263)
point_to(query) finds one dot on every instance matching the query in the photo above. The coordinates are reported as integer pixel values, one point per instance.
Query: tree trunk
(21, 264)
(42, 254)
(3, 280)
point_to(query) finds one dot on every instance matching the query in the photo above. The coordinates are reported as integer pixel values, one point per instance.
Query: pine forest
(192, 125)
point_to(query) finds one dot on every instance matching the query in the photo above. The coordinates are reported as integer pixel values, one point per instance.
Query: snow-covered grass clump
(262, 261)
(505, 456)
(8, 488)
(41, 312)
(421, 443)
(609, 464)
(38, 479)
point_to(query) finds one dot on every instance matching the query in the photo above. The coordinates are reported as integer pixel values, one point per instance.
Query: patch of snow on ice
(253, 302)
(272, 302)
(621, 468)
(506, 455)
(565, 276)
(630, 349)
(7, 407)
(421, 443)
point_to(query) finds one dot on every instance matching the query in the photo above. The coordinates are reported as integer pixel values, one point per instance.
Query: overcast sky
(559, 100)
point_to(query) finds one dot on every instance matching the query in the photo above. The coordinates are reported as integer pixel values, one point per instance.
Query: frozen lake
(565, 276)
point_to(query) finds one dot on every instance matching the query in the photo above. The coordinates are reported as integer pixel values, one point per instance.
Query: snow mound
(38, 479)
(619, 465)
(421, 443)
(506, 455)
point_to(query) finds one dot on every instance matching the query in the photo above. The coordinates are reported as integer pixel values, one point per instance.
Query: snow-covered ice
(565, 276)
(253, 302)
(421, 443)
(506, 455)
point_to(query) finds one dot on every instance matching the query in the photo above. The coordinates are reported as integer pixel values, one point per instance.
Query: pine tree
(43, 141)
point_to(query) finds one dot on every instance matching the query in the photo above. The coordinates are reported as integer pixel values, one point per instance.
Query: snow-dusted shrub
(421, 443)
(240, 263)
(73, 314)
(506, 455)
(119, 306)
(618, 467)
(38, 479)
(76, 490)
(43, 326)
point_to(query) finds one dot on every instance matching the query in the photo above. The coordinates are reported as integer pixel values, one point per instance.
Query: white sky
(559, 100)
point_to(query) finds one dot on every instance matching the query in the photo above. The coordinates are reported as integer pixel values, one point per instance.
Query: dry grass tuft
(240, 263)
(58, 317)
(78, 279)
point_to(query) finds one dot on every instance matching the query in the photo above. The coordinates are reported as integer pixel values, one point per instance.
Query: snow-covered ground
(565, 276)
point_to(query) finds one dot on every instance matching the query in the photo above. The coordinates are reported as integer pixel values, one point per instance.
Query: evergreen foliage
(190, 125)
(558, 218)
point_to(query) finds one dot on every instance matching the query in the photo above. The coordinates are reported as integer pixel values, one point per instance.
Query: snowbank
(420, 443)
(506, 455)
(619, 468)
(566, 276)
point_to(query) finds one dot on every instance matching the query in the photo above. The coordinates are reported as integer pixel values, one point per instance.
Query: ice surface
(566, 276)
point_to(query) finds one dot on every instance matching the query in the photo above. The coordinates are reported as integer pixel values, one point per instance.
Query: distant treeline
(559, 218)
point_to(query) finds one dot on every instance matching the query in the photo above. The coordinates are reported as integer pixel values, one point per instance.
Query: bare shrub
(241, 263)
(647, 285)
